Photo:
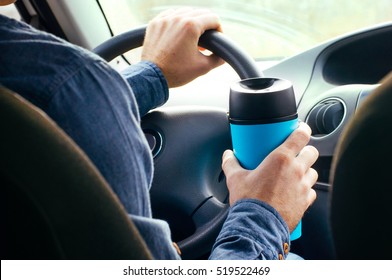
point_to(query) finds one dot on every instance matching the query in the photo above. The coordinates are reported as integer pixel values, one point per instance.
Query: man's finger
(308, 156)
(297, 140)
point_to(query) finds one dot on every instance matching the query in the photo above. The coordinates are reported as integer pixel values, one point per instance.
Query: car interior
(342, 90)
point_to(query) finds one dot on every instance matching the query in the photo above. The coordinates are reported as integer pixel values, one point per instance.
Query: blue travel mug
(262, 114)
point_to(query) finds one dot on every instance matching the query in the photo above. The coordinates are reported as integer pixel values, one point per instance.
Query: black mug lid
(262, 100)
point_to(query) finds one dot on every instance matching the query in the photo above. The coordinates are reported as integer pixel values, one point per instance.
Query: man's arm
(148, 84)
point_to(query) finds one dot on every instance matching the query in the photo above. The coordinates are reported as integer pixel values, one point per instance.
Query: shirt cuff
(252, 230)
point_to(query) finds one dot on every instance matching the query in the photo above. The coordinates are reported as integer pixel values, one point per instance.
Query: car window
(267, 29)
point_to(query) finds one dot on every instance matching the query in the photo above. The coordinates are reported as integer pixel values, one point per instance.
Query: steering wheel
(189, 189)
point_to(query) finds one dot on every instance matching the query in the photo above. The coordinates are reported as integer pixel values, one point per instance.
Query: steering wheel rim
(212, 40)
(194, 245)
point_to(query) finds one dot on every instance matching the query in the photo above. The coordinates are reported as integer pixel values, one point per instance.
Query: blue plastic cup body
(253, 142)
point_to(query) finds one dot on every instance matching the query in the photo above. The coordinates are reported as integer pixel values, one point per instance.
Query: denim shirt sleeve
(253, 230)
(148, 84)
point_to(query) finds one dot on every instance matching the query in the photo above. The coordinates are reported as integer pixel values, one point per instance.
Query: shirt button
(280, 257)
(286, 248)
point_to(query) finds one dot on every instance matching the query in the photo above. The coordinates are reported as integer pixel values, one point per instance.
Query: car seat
(54, 202)
(361, 202)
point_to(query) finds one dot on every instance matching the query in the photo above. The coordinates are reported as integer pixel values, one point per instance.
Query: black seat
(361, 204)
(54, 202)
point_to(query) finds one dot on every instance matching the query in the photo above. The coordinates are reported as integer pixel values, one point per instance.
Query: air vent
(326, 116)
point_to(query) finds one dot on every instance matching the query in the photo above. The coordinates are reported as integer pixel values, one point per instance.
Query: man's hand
(171, 42)
(283, 180)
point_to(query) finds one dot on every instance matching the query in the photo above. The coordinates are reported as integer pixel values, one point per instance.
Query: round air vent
(326, 116)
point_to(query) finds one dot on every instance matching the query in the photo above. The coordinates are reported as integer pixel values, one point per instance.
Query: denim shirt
(100, 109)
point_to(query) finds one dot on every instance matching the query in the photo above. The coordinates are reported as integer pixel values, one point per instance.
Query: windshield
(266, 29)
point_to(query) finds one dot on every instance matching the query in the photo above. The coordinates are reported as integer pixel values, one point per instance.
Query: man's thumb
(230, 163)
